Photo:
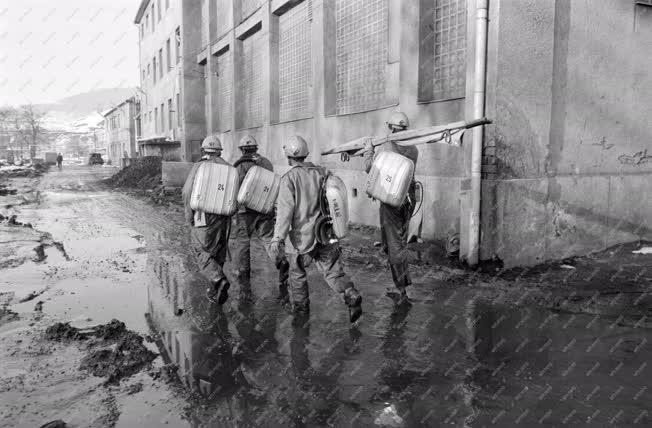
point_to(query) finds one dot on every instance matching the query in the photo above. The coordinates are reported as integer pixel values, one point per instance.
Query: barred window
(251, 82)
(361, 54)
(295, 63)
(224, 89)
(442, 53)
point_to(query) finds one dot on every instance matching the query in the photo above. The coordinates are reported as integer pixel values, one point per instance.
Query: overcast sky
(53, 49)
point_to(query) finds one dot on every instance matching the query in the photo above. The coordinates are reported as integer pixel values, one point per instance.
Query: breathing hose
(324, 224)
(419, 185)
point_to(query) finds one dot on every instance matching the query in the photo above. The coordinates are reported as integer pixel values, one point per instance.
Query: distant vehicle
(95, 159)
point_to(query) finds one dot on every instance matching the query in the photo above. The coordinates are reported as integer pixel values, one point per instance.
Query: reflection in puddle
(456, 361)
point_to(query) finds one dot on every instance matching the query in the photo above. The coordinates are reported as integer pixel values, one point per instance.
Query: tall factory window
(177, 39)
(442, 50)
(168, 55)
(295, 63)
(179, 110)
(154, 70)
(250, 81)
(162, 117)
(159, 9)
(248, 7)
(167, 4)
(361, 39)
(153, 18)
(160, 63)
(224, 88)
(170, 111)
(155, 119)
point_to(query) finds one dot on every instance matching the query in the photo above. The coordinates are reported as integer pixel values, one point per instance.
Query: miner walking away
(59, 161)
(209, 233)
(298, 212)
(395, 221)
(249, 223)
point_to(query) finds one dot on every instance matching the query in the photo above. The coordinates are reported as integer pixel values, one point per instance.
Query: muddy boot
(245, 295)
(399, 297)
(218, 292)
(283, 297)
(353, 300)
(301, 309)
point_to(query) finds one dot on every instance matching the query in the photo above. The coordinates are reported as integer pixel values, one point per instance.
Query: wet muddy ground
(561, 344)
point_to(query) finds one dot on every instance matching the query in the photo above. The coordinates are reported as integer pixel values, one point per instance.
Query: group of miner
(297, 211)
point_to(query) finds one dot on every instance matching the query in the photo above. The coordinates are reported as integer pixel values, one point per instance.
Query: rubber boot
(245, 295)
(283, 295)
(399, 297)
(301, 308)
(219, 291)
(353, 300)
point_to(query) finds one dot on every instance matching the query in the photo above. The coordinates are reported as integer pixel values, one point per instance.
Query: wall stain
(603, 143)
(563, 223)
(635, 159)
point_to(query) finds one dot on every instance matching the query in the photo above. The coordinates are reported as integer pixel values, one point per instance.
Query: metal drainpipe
(479, 85)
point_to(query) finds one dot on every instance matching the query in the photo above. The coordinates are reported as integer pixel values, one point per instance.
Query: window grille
(224, 89)
(251, 85)
(295, 63)
(449, 49)
(361, 54)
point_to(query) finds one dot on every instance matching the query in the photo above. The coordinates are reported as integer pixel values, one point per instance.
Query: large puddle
(457, 360)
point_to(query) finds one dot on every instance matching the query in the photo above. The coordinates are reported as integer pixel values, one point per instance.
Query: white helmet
(211, 144)
(399, 119)
(248, 141)
(296, 147)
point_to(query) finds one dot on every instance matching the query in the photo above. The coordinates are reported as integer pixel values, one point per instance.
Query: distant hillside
(77, 106)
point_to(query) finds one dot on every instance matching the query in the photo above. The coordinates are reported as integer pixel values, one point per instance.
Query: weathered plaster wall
(571, 103)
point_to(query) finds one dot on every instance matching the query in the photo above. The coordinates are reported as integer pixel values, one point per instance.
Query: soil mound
(116, 353)
(143, 173)
(125, 359)
(62, 331)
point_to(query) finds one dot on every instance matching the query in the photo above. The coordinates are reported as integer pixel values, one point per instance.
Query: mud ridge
(115, 353)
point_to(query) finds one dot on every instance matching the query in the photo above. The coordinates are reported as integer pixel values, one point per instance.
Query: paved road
(458, 357)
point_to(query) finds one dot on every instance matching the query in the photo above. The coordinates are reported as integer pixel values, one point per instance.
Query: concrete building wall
(440, 168)
(570, 94)
(168, 103)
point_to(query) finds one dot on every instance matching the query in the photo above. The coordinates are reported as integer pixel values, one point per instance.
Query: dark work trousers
(327, 258)
(250, 224)
(394, 224)
(210, 243)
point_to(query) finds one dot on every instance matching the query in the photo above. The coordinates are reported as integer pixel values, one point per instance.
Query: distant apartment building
(120, 132)
(567, 88)
(171, 120)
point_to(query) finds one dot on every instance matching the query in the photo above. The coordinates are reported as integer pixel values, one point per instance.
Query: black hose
(420, 186)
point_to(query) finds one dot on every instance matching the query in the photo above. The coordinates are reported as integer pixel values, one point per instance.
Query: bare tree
(25, 125)
(31, 130)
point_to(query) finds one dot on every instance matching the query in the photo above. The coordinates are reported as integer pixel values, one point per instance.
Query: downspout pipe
(479, 89)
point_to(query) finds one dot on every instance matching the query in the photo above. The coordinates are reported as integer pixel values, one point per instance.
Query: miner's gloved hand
(276, 247)
(345, 157)
(368, 143)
